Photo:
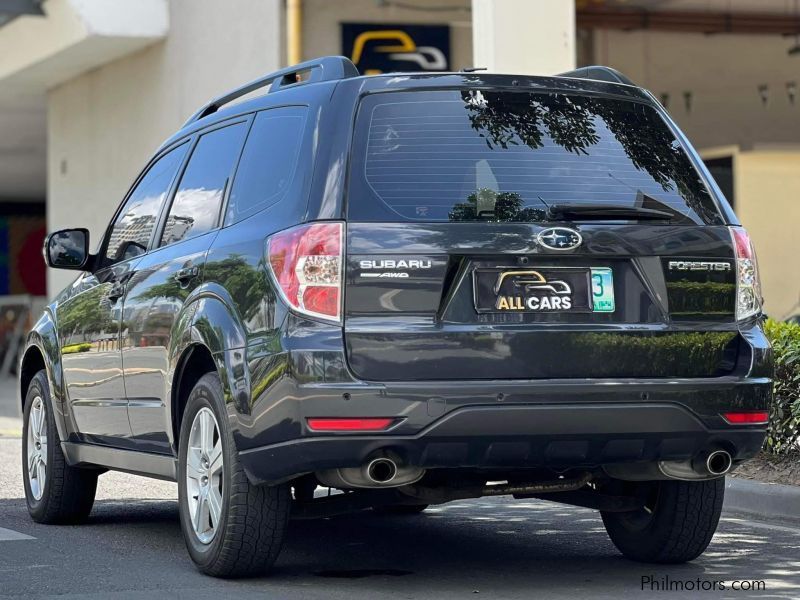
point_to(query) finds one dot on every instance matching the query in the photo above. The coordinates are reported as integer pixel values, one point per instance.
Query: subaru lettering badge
(559, 238)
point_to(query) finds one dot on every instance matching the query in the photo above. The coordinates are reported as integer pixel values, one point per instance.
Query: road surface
(489, 548)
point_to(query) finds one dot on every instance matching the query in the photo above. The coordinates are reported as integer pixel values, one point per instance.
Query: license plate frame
(510, 289)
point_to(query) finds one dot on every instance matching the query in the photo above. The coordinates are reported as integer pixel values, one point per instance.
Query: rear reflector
(379, 424)
(746, 418)
(306, 262)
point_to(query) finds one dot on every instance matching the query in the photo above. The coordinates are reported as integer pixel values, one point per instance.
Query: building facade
(90, 88)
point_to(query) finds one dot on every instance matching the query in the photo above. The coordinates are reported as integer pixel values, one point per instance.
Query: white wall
(38, 52)
(723, 73)
(23, 146)
(767, 188)
(104, 125)
(524, 36)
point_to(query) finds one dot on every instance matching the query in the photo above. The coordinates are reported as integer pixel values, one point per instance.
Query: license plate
(544, 289)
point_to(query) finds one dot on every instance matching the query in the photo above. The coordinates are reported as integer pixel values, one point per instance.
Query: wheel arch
(195, 361)
(215, 341)
(32, 362)
(42, 351)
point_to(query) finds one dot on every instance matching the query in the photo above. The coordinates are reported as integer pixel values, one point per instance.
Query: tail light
(306, 262)
(748, 285)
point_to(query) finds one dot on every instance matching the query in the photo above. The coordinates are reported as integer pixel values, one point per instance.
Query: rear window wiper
(606, 212)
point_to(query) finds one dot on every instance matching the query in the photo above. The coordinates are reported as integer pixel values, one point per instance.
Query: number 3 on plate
(597, 285)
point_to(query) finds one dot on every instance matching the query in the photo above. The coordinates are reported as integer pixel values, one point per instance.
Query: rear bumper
(517, 436)
(497, 423)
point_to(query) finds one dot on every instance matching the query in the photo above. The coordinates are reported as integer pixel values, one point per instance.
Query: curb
(764, 500)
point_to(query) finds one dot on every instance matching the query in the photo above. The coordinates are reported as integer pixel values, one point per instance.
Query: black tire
(253, 519)
(68, 492)
(682, 520)
(400, 509)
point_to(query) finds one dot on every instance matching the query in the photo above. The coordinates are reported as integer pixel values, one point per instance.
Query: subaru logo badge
(559, 238)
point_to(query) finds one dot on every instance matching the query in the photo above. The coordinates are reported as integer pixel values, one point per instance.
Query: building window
(722, 171)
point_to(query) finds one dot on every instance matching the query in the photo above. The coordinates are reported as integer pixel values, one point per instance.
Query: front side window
(269, 161)
(133, 228)
(198, 200)
(481, 155)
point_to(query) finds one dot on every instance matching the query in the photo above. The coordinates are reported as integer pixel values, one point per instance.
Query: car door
(164, 279)
(90, 313)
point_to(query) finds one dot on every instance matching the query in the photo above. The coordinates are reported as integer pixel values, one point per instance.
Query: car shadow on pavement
(146, 512)
(481, 545)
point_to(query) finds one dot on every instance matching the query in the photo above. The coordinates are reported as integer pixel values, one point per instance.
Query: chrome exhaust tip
(719, 462)
(381, 470)
(710, 463)
(384, 470)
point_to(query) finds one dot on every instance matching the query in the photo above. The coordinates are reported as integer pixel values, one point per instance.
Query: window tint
(472, 155)
(133, 228)
(268, 163)
(198, 200)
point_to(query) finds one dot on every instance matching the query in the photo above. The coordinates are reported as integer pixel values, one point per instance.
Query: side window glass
(131, 232)
(268, 164)
(198, 200)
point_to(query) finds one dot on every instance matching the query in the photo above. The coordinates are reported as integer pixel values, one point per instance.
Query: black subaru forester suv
(412, 288)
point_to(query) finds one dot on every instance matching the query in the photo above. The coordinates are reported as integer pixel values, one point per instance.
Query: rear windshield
(470, 155)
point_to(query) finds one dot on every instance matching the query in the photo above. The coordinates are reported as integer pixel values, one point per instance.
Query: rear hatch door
(518, 235)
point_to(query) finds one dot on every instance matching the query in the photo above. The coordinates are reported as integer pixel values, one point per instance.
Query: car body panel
(89, 327)
(155, 312)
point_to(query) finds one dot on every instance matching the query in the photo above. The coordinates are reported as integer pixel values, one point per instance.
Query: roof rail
(327, 68)
(598, 72)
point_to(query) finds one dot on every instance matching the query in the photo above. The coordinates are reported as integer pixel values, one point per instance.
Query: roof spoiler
(327, 68)
(599, 73)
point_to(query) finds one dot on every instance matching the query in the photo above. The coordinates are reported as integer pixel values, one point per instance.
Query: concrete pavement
(497, 548)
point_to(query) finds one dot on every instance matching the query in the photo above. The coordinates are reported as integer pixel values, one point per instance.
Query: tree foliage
(783, 433)
(86, 314)
(571, 121)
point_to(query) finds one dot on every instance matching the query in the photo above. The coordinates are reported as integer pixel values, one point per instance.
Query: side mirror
(67, 249)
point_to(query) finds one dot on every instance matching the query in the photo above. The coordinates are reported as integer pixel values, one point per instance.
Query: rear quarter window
(269, 163)
(470, 155)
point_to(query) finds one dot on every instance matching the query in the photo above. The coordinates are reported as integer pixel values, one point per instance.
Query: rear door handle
(118, 286)
(186, 274)
(116, 292)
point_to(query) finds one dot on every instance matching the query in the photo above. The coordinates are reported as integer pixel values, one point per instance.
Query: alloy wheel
(204, 470)
(37, 447)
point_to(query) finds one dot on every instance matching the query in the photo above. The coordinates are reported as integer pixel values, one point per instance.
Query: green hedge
(695, 298)
(784, 418)
(679, 354)
(74, 348)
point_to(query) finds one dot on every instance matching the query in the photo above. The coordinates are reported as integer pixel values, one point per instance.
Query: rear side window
(471, 155)
(269, 162)
(198, 200)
